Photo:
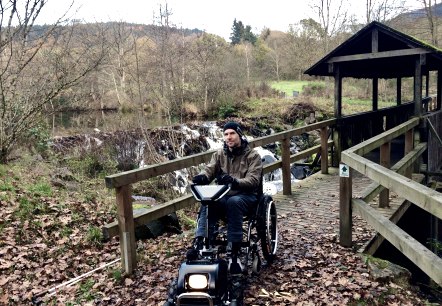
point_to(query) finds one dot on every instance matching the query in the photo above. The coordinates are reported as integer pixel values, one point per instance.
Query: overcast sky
(213, 16)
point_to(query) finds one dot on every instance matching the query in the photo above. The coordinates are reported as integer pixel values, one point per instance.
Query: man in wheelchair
(241, 167)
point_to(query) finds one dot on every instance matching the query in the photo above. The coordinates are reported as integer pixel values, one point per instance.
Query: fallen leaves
(51, 248)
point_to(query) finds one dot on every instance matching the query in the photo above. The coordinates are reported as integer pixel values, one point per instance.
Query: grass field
(289, 86)
(352, 100)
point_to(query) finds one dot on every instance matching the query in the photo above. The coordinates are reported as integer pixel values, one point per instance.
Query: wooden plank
(377, 240)
(399, 210)
(400, 167)
(417, 88)
(377, 55)
(136, 175)
(324, 150)
(290, 133)
(111, 229)
(133, 176)
(422, 196)
(426, 260)
(345, 210)
(384, 195)
(409, 144)
(126, 228)
(338, 92)
(375, 41)
(376, 141)
(375, 95)
(293, 158)
(439, 90)
(286, 174)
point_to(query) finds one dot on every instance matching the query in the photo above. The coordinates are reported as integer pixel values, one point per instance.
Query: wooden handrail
(376, 141)
(136, 175)
(400, 167)
(422, 196)
(384, 178)
(111, 229)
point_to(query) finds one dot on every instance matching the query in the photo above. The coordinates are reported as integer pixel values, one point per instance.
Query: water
(87, 123)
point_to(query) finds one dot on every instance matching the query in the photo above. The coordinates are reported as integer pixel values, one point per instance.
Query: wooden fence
(122, 183)
(398, 179)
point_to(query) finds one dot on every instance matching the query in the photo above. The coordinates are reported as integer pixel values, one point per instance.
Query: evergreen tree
(237, 32)
(248, 35)
(241, 34)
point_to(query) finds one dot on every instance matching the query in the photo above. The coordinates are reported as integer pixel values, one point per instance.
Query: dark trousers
(233, 208)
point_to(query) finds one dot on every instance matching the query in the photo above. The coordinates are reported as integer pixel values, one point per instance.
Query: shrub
(41, 189)
(189, 110)
(227, 110)
(314, 89)
(37, 138)
(94, 235)
(92, 164)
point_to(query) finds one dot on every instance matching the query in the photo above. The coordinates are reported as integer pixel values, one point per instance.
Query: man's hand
(200, 179)
(225, 179)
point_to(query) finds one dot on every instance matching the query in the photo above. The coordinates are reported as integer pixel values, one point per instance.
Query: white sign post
(344, 170)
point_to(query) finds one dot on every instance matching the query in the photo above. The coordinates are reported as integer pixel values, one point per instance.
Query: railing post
(409, 143)
(286, 174)
(337, 146)
(126, 228)
(345, 209)
(385, 162)
(324, 150)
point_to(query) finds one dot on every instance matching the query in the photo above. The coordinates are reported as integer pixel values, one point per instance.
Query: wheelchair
(206, 280)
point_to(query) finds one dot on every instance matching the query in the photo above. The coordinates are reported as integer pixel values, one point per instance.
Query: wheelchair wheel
(268, 229)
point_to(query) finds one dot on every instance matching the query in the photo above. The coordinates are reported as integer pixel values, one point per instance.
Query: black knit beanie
(234, 126)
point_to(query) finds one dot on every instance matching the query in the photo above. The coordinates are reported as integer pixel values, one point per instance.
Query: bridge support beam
(345, 210)
(286, 174)
(324, 150)
(384, 195)
(409, 145)
(126, 228)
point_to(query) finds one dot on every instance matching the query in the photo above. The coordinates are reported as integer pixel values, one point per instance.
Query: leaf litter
(51, 247)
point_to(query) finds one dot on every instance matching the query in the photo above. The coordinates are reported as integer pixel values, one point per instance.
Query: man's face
(231, 138)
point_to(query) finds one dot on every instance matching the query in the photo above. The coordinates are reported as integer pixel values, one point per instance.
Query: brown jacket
(244, 164)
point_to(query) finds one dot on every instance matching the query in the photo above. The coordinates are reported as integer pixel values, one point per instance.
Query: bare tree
(167, 52)
(121, 53)
(333, 16)
(35, 67)
(301, 48)
(383, 10)
(433, 20)
(208, 51)
(275, 41)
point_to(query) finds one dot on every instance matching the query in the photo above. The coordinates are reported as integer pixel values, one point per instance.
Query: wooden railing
(122, 183)
(397, 179)
(354, 129)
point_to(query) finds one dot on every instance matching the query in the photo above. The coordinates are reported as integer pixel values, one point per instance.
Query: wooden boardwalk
(314, 203)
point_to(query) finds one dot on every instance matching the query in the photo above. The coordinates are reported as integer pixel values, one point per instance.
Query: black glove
(200, 179)
(225, 179)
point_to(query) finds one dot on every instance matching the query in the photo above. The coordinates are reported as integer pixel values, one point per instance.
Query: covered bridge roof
(378, 51)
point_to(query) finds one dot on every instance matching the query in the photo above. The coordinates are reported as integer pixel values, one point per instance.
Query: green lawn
(289, 86)
(352, 103)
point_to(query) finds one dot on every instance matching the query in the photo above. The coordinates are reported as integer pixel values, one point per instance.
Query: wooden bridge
(361, 148)
(327, 195)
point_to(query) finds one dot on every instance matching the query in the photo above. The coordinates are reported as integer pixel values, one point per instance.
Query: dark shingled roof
(396, 57)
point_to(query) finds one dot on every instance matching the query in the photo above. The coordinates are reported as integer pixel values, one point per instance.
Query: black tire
(171, 294)
(236, 288)
(268, 229)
